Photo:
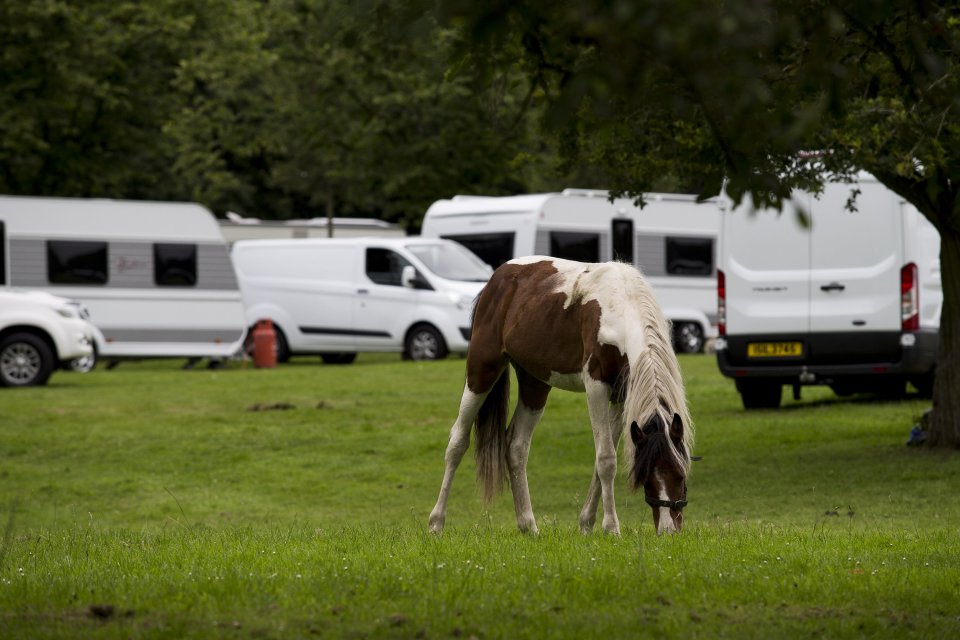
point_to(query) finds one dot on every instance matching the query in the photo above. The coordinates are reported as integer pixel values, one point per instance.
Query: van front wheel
(424, 342)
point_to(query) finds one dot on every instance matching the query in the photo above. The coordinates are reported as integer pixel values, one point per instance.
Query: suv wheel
(25, 360)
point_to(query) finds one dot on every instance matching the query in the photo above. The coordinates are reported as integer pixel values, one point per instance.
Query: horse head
(660, 467)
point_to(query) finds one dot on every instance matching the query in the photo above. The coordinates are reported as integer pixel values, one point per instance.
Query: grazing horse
(593, 328)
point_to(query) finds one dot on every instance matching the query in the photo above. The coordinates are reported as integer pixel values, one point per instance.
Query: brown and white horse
(593, 328)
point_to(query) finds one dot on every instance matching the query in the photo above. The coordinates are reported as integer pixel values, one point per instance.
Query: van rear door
(857, 257)
(766, 264)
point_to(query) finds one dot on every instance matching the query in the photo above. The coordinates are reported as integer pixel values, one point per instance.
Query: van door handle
(833, 286)
(363, 291)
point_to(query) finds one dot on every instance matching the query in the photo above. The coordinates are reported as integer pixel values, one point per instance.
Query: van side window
(622, 231)
(385, 266)
(175, 265)
(3, 254)
(492, 248)
(573, 245)
(76, 262)
(689, 256)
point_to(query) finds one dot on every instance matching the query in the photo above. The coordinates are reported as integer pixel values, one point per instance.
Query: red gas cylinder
(264, 345)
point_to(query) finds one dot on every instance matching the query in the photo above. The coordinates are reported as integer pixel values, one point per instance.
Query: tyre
(84, 364)
(25, 360)
(424, 342)
(283, 349)
(338, 358)
(760, 394)
(687, 337)
(924, 385)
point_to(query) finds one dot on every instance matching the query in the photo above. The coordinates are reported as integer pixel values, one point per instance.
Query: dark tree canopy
(765, 95)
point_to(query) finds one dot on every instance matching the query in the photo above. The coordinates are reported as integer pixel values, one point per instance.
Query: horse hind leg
(457, 446)
(588, 514)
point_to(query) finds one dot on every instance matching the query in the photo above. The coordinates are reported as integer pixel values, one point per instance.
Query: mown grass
(293, 503)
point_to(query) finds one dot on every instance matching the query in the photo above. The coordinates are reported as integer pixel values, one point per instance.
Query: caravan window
(385, 266)
(574, 245)
(76, 262)
(623, 240)
(689, 256)
(492, 248)
(175, 265)
(3, 255)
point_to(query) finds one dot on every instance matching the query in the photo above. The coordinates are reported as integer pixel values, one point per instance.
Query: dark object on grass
(277, 406)
(917, 437)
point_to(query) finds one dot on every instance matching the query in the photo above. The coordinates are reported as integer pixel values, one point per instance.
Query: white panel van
(852, 302)
(337, 297)
(671, 239)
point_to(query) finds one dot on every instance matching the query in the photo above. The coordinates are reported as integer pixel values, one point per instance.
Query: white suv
(40, 332)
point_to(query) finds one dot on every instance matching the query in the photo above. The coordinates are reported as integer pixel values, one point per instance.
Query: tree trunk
(943, 427)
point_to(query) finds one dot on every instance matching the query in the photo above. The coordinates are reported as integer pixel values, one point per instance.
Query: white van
(155, 276)
(672, 240)
(337, 297)
(852, 302)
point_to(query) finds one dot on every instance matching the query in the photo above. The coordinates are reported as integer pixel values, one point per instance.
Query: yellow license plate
(774, 349)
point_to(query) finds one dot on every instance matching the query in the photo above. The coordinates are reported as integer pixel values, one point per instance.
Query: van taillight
(909, 298)
(721, 303)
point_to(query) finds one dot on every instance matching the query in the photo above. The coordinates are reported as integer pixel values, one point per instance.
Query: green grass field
(150, 502)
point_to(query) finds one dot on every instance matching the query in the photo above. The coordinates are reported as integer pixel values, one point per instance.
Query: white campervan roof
(470, 205)
(108, 219)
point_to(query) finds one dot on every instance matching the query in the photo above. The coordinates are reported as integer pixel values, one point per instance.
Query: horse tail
(492, 440)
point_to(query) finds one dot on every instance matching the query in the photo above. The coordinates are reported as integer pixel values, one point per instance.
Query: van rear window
(689, 256)
(573, 245)
(175, 265)
(77, 262)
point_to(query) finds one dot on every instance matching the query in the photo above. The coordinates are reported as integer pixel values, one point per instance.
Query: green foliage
(190, 507)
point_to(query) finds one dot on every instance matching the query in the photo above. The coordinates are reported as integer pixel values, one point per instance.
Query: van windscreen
(452, 261)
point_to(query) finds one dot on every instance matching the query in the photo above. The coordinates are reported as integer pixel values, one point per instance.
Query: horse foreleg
(588, 515)
(524, 421)
(602, 419)
(457, 446)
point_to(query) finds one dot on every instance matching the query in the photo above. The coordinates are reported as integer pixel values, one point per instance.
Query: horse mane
(654, 385)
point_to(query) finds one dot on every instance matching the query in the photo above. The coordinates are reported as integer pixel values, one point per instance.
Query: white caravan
(236, 228)
(852, 302)
(155, 276)
(671, 239)
(337, 297)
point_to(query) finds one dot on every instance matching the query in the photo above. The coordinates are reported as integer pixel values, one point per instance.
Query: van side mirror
(413, 280)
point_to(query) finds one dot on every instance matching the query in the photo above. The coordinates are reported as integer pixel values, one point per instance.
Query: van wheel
(760, 394)
(282, 348)
(687, 337)
(338, 358)
(25, 360)
(924, 385)
(424, 342)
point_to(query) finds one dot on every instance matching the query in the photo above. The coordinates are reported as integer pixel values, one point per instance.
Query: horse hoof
(436, 525)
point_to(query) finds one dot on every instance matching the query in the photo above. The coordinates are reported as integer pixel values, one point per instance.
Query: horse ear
(635, 433)
(676, 428)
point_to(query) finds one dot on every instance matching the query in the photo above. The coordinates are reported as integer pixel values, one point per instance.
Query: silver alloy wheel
(424, 345)
(20, 363)
(83, 364)
(689, 338)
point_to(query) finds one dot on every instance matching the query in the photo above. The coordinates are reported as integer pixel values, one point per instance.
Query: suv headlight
(68, 312)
